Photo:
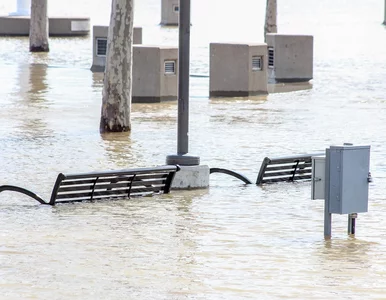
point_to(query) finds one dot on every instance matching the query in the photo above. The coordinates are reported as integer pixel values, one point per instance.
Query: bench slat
(111, 178)
(294, 158)
(108, 193)
(292, 166)
(99, 198)
(286, 173)
(137, 172)
(296, 178)
(109, 185)
(286, 168)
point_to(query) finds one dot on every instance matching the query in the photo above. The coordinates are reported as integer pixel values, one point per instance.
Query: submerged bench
(286, 168)
(119, 184)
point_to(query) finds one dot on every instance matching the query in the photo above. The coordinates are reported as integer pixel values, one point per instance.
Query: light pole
(182, 157)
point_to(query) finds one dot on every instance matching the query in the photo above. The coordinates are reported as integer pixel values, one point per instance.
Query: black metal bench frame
(118, 184)
(279, 169)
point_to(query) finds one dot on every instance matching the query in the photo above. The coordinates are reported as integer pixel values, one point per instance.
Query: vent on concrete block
(101, 49)
(271, 55)
(170, 67)
(257, 63)
(176, 8)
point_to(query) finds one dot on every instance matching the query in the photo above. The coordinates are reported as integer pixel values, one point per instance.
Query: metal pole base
(183, 160)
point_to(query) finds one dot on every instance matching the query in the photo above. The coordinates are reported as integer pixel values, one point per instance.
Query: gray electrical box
(318, 177)
(347, 178)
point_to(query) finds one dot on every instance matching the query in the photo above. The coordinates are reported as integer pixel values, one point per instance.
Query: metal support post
(327, 221)
(327, 214)
(183, 91)
(183, 79)
(351, 223)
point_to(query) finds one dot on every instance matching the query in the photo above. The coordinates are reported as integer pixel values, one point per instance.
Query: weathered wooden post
(38, 35)
(270, 17)
(117, 86)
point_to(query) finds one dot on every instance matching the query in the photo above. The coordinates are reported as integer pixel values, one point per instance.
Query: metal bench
(119, 184)
(286, 168)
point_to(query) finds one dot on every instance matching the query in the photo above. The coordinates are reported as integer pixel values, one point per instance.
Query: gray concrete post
(169, 12)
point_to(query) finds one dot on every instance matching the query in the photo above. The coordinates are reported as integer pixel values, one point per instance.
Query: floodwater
(230, 241)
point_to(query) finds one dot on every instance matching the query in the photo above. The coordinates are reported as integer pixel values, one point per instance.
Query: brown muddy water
(230, 241)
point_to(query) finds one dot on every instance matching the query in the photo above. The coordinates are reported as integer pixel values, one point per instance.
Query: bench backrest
(289, 168)
(112, 184)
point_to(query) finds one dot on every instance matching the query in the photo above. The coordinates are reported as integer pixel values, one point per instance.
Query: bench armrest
(230, 172)
(23, 191)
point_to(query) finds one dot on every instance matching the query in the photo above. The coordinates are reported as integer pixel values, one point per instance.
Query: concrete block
(238, 69)
(155, 74)
(192, 177)
(170, 12)
(69, 26)
(290, 57)
(99, 45)
(19, 26)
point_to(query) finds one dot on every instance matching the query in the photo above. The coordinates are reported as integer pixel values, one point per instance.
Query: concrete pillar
(238, 70)
(23, 8)
(191, 177)
(290, 57)
(155, 76)
(170, 12)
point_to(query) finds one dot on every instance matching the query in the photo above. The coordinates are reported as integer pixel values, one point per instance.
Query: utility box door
(347, 175)
(318, 177)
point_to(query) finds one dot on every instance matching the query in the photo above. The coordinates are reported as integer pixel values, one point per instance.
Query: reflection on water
(231, 241)
(118, 149)
(37, 81)
(33, 104)
(97, 80)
